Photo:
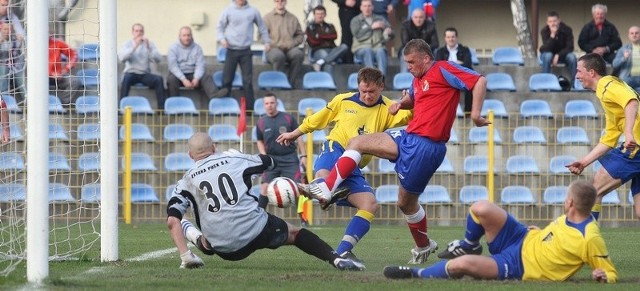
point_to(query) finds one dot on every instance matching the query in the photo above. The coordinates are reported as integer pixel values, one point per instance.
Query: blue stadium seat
(499, 110)
(59, 192)
(475, 164)
(16, 132)
(385, 166)
(224, 106)
(555, 194)
(318, 81)
(577, 86)
(223, 132)
(89, 162)
(88, 132)
(89, 52)
(221, 56)
(178, 132)
(507, 56)
(235, 83)
(522, 164)
(179, 105)
(544, 82)
(479, 135)
(258, 107)
(178, 162)
(273, 80)
(402, 81)
(535, 108)
(141, 193)
(140, 162)
(169, 192)
(318, 136)
(138, 104)
(557, 164)
(446, 167)
(611, 198)
(55, 105)
(88, 104)
(90, 193)
(474, 56)
(57, 132)
(58, 162)
(528, 134)
(580, 108)
(11, 103)
(88, 77)
(500, 82)
(11, 161)
(516, 195)
(12, 192)
(472, 193)
(139, 132)
(435, 194)
(453, 136)
(315, 103)
(572, 135)
(387, 193)
(352, 82)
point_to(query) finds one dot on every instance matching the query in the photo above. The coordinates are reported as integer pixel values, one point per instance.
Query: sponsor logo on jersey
(352, 111)
(549, 237)
(425, 85)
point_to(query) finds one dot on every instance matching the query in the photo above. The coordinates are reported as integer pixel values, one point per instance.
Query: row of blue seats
(510, 195)
(89, 193)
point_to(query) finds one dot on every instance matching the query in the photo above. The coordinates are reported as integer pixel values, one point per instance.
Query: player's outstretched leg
(317, 189)
(471, 243)
(311, 244)
(437, 270)
(425, 246)
(355, 231)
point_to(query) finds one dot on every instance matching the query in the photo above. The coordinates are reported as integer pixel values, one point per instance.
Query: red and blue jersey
(435, 99)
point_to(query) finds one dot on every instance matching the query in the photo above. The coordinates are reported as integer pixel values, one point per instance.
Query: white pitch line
(151, 255)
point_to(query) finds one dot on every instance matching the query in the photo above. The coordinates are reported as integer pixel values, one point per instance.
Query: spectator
(455, 52)
(384, 7)
(138, 54)
(187, 67)
(286, 35)
(627, 60)
(4, 121)
(370, 33)
(347, 10)
(11, 62)
(59, 69)
(600, 36)
(417, 27)
(235, 33)
(309, 5)
(428, 6)
(321, 36)
(7, 17)
(557, 45)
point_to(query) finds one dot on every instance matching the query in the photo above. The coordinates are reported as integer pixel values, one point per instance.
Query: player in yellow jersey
(362, 112)
(554, 253)
(620, 103)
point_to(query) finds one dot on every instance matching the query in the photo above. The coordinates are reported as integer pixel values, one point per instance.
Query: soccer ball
(282, 192)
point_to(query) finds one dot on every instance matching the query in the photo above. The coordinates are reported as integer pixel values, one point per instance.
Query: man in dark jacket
(417, 27)
(347, 10)
(557, 45)
(321, 36)
(600, 36)
(457, 53)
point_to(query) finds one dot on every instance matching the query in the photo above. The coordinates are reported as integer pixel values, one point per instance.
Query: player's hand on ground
(575, 168)
(599, 275)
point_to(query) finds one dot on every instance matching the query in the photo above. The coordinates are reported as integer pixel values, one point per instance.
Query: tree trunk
(523, 32)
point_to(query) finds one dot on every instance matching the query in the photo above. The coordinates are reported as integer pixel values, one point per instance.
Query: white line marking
(151, 255)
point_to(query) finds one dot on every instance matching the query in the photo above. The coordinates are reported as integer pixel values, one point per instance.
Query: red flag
(242, 119)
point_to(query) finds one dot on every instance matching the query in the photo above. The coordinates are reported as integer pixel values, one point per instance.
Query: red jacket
(58, 66)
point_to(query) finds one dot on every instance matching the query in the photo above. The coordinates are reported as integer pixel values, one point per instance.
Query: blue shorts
(506, 249)
(418, 159)
(621, 165)
(331, 152)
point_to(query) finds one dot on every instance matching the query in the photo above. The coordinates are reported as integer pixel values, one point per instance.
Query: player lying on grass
(232, 224)
(554, 253)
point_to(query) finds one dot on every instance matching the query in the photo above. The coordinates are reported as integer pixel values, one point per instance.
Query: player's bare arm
(577, 167)
(479, 90)
(405, 103)
(288, 137)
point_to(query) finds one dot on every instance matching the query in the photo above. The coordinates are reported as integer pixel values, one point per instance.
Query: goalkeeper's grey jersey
(218, 189)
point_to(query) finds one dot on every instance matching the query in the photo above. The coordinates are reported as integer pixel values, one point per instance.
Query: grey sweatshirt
(236, 26)
(185, 60)
(138, 60)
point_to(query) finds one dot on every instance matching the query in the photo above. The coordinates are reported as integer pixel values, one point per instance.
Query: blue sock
(437, 270)
(357, 228)
(474, 231)
(595, 211)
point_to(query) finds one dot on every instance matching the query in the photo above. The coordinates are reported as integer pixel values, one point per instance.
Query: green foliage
(290, 269)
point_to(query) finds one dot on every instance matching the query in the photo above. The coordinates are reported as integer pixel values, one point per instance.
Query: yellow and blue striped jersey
(352, 118)
(614, 95)
(558, 251)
